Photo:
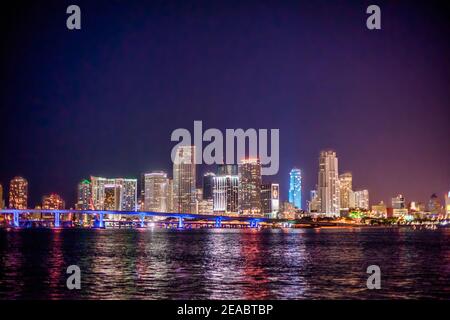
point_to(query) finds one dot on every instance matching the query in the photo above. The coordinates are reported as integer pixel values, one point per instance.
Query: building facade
(84, 196)
(18, 193)
(250, 187)
(295, 188)
(156, 191)
(208, 185)
(226, 190)
(184, 180)
(328, 184)
(345, 190)
(53, 202)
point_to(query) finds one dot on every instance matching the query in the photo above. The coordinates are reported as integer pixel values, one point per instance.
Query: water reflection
(224, 264)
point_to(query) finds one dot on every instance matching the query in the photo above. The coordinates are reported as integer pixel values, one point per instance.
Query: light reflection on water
(224, 263)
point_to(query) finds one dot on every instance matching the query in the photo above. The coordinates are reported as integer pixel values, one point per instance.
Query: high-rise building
(114, 194)
(184, 180)
(250, 187)
(208, 184)
(447, 203)
(128, 194)
(398, 202)
(53, 202)
(156, 192)
(84, 196)
(2, 202)
(170, 202)
(434, 206)
(295, 188)
(345, 186)
(226, 190)
(360, 199)
(328, 184)
(18, 193)
(270, 199)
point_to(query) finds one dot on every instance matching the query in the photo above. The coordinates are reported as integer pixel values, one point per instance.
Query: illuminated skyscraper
(18, 193)
(156, 192)
(53, 202)
(250, 187)
(84, 196)
(128, 194)
(270, 199)
(398, 202)
(447, 203)
(328, 184)
(184, 180)
(208, 184)
(114, 194)
(345, 185)
(226, 190)
(170, 202)
(295, 188)
(2, 202)
(360, 199)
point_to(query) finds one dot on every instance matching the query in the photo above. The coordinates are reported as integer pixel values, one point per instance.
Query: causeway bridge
(253, 221)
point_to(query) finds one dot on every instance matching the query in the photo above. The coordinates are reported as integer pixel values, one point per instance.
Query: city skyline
(122, 194)
(108, 107)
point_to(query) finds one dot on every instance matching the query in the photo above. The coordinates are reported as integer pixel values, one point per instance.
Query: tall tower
(18, 193)
(84, 196)
(226, 190)
(345, 185)
(295, 188)
(128, 194)
(2, 202)
(328, 184)
(184, 180)
(156, 192)
(250, 187)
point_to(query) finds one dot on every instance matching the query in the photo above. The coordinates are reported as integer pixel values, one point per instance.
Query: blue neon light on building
(295, 188)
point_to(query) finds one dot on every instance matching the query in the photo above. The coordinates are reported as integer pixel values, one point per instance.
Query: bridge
(218, 219)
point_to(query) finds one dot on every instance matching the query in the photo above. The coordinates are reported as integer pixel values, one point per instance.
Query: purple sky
(104, 100)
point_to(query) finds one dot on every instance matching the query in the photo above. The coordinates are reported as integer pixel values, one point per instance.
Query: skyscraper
(18, 193)
(53, 202)
(128, 194)
(208, 184)
(360, 199)
(398, 202)
(226, 190)
(250, 187)
(295, 188)
(345, 185)
(156, 192)
(114, 194)
(2, 202)
(184, 180)
(328, 184)
(84, 196)
(447, 204)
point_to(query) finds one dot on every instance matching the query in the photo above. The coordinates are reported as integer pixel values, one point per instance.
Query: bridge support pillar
(57, 220)
(101, 224)
(141, 217)
(218, 223)
(16, 219)
(180, 223)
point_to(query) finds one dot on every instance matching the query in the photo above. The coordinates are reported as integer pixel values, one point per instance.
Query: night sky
(104, 100)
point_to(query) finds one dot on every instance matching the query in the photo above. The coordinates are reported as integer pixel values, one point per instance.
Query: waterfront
(224, 263)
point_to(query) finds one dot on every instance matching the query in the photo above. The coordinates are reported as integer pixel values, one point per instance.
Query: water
(224, 264)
